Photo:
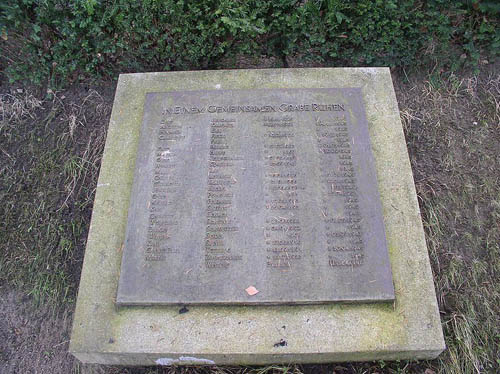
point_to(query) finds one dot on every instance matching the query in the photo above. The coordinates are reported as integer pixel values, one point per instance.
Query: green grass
(46, 181)
(453, 134)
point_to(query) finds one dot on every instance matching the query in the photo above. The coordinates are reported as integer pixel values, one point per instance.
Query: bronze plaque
(255, 197)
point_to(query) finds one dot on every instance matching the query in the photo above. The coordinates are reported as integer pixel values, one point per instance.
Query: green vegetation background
(63, 41)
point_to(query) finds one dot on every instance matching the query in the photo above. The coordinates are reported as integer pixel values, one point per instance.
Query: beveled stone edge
(441, 346)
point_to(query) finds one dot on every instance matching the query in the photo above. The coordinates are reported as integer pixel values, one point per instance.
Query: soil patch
(33, 340)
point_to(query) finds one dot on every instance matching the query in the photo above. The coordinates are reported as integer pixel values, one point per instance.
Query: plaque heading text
(284, 107)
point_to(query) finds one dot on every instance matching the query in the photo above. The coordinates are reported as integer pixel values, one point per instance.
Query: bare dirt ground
(33, 340)
(50, 149)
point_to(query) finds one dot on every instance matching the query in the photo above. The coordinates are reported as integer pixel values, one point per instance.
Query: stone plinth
(110, 333)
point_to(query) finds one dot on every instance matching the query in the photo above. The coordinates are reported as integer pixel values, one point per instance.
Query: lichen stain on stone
(166, 361)
(369, 71)
(108, 206)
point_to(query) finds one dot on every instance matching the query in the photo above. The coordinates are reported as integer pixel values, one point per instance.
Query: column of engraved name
(340, 208)
(282, 184)
(221, 225)
(164, 191)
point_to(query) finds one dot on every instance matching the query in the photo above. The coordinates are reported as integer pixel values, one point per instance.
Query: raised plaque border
(181, 277)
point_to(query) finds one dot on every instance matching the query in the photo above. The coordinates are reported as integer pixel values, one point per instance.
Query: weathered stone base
(408, 329)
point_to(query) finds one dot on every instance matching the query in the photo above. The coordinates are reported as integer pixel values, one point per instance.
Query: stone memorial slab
(274, 189)
(211, 330)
